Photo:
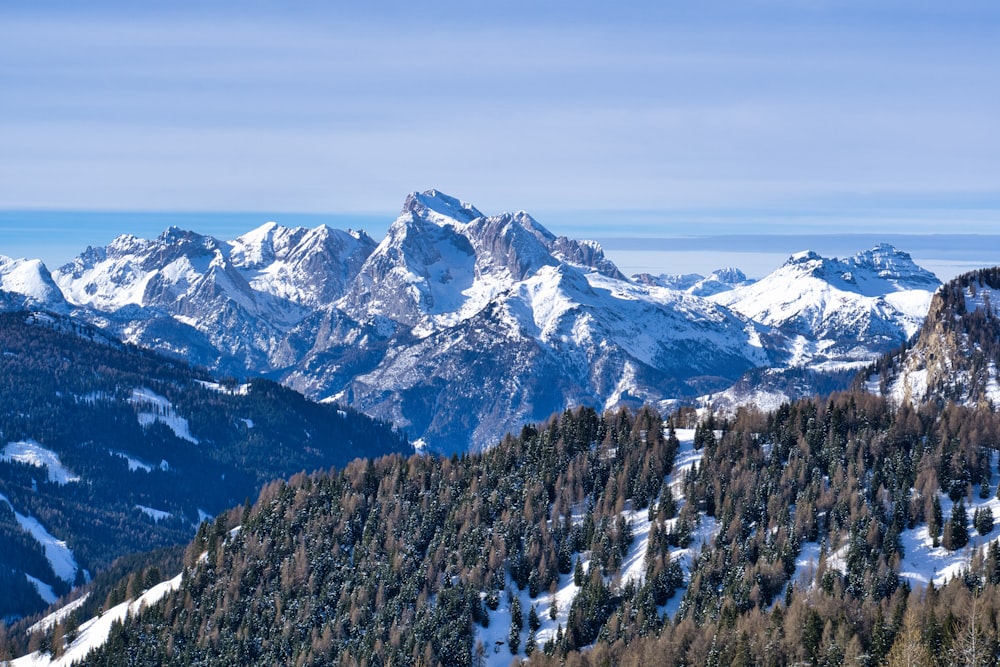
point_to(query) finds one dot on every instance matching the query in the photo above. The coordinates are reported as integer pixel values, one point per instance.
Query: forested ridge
(71, 390)
(958, 345)
(408, 561)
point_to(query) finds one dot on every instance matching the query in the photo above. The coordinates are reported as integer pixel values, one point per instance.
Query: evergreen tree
(983, 520)
(956, 533)
(936, 521)
(516, 624)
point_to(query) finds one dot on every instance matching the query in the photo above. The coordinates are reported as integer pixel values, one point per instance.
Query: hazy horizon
(833, 116)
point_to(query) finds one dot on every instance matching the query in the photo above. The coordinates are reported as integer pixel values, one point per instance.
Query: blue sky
(648, 119)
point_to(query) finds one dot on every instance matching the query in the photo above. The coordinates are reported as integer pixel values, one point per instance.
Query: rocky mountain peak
(439, 207)
(31, 279)
(895, 266)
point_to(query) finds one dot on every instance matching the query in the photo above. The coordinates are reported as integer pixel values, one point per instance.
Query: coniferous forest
(74, 392)
(415, 560)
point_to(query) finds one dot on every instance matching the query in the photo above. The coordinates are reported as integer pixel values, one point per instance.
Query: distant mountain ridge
(459, 326)
(840, 308)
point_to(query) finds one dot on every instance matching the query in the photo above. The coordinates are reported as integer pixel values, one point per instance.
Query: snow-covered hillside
(94, 632)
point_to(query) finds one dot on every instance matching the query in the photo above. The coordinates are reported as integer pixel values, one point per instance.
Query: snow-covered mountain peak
(839, 313)
(438, 207)
(729, 276)
(720, 280)
(121, 245)
(30, 278)
(896, 267)
(803, 257)
(186, 241)
(256, 247)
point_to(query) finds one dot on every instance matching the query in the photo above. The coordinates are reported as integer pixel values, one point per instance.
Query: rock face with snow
(27, 283)
(467, 326)
(721, 280)
(227, 305)
(955, 356)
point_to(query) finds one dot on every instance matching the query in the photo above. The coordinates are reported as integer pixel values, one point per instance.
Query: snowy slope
(58, 554)
(31, 279)
(94, 632)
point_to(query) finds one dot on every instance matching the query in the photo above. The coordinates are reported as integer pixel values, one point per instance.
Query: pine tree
(936, 522)
(983, 520)
(516, 623)
(956, 533)
(534, 623)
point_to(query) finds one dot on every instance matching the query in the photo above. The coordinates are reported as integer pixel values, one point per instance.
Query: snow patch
(234, 390)
(133, 463)
(44, 590)
(32, 453)
(154, 514)
(58, 554)
(151, 407)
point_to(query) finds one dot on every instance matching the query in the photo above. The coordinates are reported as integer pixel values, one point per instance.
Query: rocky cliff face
(955, 356)
(463, 326)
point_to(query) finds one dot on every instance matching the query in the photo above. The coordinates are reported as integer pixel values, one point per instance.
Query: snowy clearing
(152, 407)
(32, 453)
(153, 513)
(138, 464)
(58, 554)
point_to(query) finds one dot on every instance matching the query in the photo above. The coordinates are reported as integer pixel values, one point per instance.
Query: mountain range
(460, 326)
